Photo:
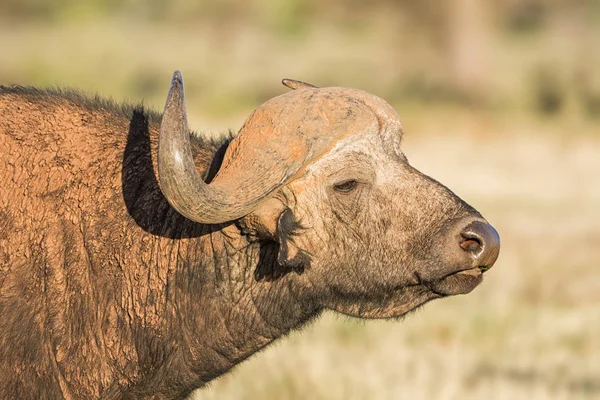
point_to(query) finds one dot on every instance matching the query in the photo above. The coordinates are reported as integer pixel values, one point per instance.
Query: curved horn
(228, 197)
(294, 84)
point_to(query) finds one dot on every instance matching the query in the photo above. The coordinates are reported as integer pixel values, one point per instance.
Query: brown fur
(107, 292)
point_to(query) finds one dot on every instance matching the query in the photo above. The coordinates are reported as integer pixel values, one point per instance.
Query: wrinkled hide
(106, 291)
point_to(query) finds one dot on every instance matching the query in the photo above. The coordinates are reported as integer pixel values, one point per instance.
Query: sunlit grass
(532, 330)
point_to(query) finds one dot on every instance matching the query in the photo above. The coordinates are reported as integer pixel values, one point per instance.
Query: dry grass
(531, 331)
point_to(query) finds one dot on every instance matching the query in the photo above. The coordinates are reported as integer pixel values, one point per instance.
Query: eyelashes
(346, 186)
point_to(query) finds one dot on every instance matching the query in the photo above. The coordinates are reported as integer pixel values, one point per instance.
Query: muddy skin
(106, 291)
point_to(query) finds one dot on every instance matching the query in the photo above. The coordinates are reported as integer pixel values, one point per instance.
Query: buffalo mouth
(461, 282)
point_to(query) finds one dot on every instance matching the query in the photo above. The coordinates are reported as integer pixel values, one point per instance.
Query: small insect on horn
(294, 84)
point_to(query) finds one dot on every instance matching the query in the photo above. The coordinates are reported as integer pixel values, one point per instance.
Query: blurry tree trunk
(468, 44)
(579, 62)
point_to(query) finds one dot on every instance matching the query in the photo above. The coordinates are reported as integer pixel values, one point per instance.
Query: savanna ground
(506, 112)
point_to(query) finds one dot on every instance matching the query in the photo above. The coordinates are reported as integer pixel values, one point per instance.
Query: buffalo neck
(217, 309)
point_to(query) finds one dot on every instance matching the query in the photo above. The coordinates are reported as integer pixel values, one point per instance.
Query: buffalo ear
(261, 224)
(274, 226)
(290, 257)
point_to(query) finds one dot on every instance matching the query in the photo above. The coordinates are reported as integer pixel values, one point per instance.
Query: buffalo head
(320, 172)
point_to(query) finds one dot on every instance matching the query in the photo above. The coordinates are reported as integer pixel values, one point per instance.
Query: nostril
(473, 241)
(471, 245)
(482, 241)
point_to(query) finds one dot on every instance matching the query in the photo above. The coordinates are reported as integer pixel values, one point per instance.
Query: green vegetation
(501, 57)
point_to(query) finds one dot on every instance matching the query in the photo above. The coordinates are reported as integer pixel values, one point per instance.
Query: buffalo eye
(346, 186)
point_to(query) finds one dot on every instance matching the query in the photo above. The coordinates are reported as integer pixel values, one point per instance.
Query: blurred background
(500, 101)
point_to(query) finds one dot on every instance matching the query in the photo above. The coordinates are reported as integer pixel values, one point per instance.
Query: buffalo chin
(392, 305)
(461, 282)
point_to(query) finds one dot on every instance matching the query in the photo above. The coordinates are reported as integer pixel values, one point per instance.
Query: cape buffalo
(138, 260)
